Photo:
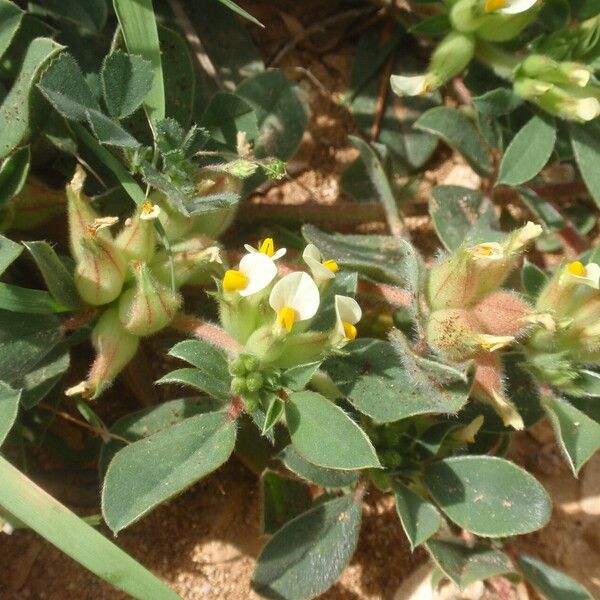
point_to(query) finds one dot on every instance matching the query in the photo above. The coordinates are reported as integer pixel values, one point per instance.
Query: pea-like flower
(491, 343)
(577, 272)
(294, 298)
(487, 251)
(322, 270)
(254, 273)
(347, 315)
(508, 7)
(266, 247)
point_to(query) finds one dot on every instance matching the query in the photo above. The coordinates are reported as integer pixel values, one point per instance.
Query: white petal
(346, 310)
(587, 109)
(417, 85)
(313, 257)
(260, 271)
(298, 291)
(250, 249)
(514, 7)
(279, 253)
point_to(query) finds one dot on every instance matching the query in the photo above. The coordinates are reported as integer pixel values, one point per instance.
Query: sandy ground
(204, 543)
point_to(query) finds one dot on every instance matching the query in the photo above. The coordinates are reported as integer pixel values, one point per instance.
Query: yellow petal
(493, 5)
(267, 247)
(576, 268)
(349, 330)
(331, 265)
(286, 318)
(148, 207)
(234, 281)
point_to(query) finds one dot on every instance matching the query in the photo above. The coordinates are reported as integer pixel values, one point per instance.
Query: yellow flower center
(494, 5)
(331, 265)
(482, 250)
(286, 318)
(148, 207)
(267, 247)
(234, 281)
(349, 330)
(576, 268)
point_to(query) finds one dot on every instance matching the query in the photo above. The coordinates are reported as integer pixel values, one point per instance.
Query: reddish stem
(206, 331)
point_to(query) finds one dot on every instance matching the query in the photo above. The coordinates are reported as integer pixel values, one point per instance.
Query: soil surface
(204, 543)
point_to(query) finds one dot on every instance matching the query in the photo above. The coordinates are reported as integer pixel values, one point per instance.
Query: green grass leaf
(151, 471)
(62, 528)
(240, 11)
(325, 435)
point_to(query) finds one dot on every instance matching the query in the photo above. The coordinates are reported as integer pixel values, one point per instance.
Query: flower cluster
(472, 318)
(271, 315)
(572, 298)
(129, 277)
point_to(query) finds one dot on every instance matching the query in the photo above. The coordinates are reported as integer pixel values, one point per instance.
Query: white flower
(589, 274)
(491, 343)
(583, 109)
(294, 298)
(347, 315)
(468, 432)
(255, 273)
(528, 232)
(508, 413)
(266, 247)
(322, 270)
(416, 85)
(149, 211)
(508, 7)
(487, 251)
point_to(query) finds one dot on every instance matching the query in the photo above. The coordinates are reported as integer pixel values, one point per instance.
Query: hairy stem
(206, 331)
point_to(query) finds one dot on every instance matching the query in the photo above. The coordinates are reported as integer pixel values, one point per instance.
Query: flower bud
(114, 347)
(100, 271)
(540, 67)
(238, 386)
(254, 381)
(452, 332)
(35, 204)
(149, 306)
(240, 168)
(138, 238)
(237, 367)
(502, 313)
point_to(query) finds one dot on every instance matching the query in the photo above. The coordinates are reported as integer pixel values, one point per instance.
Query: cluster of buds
(565, 89)
(129, 277)
(270, 315)
(572, 338)
(490, 20)
(471, 318)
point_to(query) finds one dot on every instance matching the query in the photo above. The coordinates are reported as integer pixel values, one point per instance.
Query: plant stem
(500, 62)
(206, 331)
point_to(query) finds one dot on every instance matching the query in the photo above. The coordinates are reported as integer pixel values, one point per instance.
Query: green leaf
(126, 81)
(419, 518)
(462, 215)
(211, 374)
(528, 152)
(378, 177)
(587, 384)
(533, 279)
(25, 300)
(464, 565)
(90, 15)
(307, 555)
(13, 173)
(53, 521)
(42, 378)
(388, 386)
(433, 26)
(273, 415)
(25, 339)
(586, 147)
(138, 25)
(489, 496)
(542, 209)
(281, 113)
(297, 378)
(578, 435)
(9, 407)
(227, 114)
(283, 499)
(457, 131)
(148, 472)
(15, 126)
(9, 252)
(328, 478)
(240, 11)
(552, 584)
(381, 257)
(10, 20)
(58, 279)
(143, 423)
(325, 435)
(496, 103)
(555, 14)
(109, 132)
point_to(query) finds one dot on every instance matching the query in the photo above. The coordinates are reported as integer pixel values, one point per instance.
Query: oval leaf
(487, 495)
(419, 518)
(308, 554)
(149, 472)
(325, 435)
